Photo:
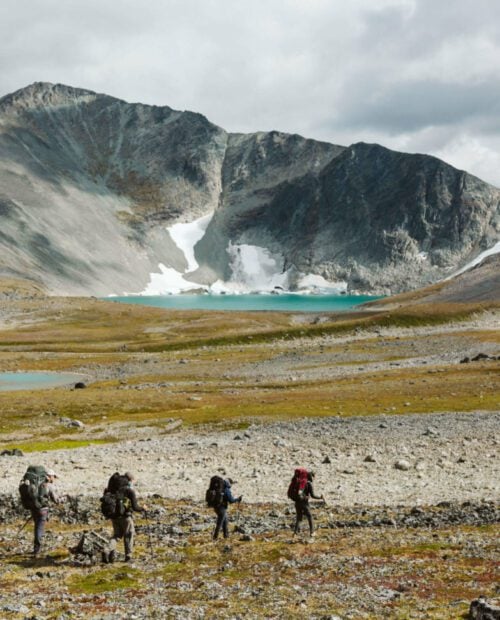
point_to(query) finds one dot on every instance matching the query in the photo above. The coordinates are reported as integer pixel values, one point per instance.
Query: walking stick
(23, 525)
(148, 523)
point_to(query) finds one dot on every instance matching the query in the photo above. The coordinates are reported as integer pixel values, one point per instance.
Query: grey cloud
(415, 73)
(413, 106)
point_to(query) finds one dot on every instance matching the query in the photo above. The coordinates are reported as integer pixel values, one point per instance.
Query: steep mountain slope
(481, 283)
(85, 179)
(375, 218)
(91, 186)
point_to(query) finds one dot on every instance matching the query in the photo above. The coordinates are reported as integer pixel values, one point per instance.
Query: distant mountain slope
(481, 283)
(90, 184)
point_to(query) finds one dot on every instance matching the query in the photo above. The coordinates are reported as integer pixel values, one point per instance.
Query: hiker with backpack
(218, 497)
(119, 503)
(300, 490)
(37, 490)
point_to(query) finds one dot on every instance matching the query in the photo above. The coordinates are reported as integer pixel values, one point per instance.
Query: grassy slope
(185, 366)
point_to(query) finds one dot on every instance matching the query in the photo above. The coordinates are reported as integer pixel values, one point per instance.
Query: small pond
(37, 380)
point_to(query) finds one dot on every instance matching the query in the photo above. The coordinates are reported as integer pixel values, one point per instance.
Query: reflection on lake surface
(279, 303)
(36, 380)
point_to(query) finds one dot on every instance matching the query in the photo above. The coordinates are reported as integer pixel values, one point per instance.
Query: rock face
(89, 185)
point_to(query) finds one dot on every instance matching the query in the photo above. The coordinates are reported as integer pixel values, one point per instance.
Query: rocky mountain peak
(45, 95)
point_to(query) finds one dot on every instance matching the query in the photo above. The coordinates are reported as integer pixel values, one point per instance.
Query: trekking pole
(150, 541)
(23, 526)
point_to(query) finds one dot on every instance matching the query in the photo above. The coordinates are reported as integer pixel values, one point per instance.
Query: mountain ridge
(80, 169)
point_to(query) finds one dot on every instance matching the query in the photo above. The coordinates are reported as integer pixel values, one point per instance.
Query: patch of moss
(58, 444)
(105, 580)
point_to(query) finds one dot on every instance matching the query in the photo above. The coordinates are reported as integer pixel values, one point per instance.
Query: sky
(414, 75)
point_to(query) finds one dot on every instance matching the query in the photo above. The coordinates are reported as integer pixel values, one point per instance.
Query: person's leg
(40, 519)
(307, 512)
(128, 536)
(109, 554)
(225, 529)
(298, 516)
(220, 511)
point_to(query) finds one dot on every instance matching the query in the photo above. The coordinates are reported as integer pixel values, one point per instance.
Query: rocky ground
(420, 562)
(404, 460)
(409, 530)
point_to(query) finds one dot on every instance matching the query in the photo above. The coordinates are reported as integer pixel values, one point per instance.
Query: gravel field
(391, 460)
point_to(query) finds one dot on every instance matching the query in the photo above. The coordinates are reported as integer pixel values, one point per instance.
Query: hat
(52, 473)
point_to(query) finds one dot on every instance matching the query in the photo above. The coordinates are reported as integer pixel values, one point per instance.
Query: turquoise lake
(35, 380)
(280, 303)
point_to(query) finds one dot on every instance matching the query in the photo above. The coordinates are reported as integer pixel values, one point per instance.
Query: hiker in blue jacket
(221, 509)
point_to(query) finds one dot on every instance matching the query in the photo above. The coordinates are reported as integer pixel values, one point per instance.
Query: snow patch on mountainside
(317, 284)
(254, 269)
(169, 280)
(186, 236)
(493, 250)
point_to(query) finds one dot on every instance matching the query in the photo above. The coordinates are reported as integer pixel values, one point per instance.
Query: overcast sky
(414, 75)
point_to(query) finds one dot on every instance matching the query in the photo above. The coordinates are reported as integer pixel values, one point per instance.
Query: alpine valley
(99, 196)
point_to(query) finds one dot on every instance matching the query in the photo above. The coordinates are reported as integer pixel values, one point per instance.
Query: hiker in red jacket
(302, 504)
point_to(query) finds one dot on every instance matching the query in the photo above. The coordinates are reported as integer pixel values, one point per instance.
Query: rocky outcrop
(89, 185)
(481, 609)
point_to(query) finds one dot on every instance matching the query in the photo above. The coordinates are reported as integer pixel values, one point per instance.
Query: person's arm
(52, 493)
(229, 496)
(311, 492)
(133, 501)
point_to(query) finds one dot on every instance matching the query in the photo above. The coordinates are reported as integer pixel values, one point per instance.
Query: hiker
(121, 494)
(37, 490)
(218, 497)
(300, 490)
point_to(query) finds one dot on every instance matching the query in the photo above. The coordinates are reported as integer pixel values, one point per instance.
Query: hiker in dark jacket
(123, 527)
(302, 505)
(221, 509)
(40, 516)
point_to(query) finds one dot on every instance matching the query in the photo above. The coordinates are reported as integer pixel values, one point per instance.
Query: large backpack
(214, 495)
(298, 484)
(31, 489)
(113, 502)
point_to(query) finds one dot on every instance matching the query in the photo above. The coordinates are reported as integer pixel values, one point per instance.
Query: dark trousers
(40, 518)
(221, 512)
(302, 510)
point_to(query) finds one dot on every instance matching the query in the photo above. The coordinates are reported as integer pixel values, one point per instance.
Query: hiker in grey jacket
(123, 527)
(40, 516)
(302, 505)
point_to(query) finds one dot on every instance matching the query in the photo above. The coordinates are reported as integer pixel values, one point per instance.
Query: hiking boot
(128, 558)
(111, 557)
(105, 557)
